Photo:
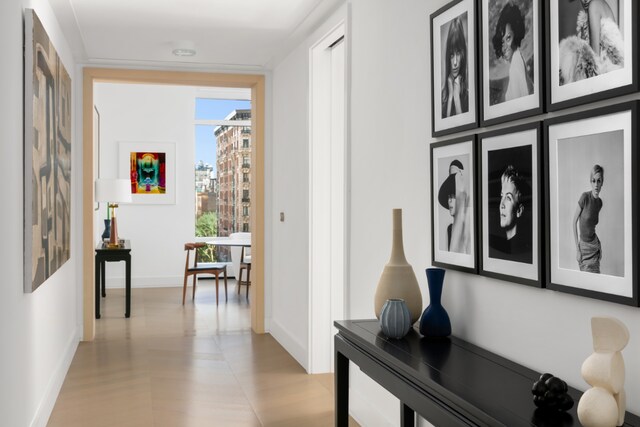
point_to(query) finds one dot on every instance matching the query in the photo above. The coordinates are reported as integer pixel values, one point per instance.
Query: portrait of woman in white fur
(597, 45)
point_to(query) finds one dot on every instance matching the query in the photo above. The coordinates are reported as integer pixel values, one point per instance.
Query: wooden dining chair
(214, 268)
(245, 265)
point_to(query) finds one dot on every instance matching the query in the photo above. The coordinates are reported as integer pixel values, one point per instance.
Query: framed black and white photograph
(593, 51)
(510, 204)
(592, 186)
(453, 201)
(453, 68)
(510, 59)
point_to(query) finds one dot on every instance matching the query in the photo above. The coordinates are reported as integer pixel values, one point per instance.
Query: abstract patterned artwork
(47, 184)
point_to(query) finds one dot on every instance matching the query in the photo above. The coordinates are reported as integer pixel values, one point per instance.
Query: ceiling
(237, 34)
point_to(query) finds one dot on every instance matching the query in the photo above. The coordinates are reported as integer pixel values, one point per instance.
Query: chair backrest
(236, 251)
(190, 247)
(245, 255)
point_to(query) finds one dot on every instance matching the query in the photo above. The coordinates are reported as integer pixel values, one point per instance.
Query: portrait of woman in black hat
(453, 197)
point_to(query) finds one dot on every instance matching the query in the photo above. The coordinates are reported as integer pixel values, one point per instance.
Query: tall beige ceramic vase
(398, 279)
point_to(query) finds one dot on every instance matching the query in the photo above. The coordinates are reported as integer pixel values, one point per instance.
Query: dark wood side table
(104, 255)
(449, 382)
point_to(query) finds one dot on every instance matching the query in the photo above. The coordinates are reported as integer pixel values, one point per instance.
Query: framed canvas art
(592, 162)
(150, 166)
(47, 156)
(510, 204)
(453, 201)
(593, 51)
(453, 68)
(510, 59)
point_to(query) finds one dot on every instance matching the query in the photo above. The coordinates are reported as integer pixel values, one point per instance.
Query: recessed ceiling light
(184, 48)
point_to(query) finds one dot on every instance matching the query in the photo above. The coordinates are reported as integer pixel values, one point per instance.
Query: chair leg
(193, 294)
(217, 289)
(239, 279)
(226, 297)
(248, 281)
(184, 288)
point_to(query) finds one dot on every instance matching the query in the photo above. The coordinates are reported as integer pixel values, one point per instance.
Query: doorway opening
(255, 83)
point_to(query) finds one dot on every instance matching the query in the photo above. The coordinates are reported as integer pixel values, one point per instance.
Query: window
(245, 195)
(222, 126)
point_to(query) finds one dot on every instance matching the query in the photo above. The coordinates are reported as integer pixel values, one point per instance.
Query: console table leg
(127, 297)
(97, 288)
(342, 390)
(407, 416)
(103, 282)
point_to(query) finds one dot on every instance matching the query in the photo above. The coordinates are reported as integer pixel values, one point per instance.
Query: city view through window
(222, 171)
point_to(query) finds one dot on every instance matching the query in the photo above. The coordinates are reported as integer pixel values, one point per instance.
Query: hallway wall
(39, 332)
(391, 126)
(390, 102)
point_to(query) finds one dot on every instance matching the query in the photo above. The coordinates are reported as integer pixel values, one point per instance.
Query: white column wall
(150, 113)
(289, 322)
(39, 332)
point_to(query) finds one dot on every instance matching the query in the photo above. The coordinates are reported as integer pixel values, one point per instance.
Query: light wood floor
(191, 365)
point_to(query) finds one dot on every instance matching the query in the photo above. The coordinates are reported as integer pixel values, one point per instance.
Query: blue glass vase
(395, 319)
(434, 321)
(107, 229)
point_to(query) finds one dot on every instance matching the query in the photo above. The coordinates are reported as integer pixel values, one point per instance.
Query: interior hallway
(197, 365)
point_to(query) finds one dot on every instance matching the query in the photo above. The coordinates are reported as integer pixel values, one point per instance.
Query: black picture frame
(448, 159)
(512, 88)
(567, 85)
(454, 29)
(511, 204)
(579, 142)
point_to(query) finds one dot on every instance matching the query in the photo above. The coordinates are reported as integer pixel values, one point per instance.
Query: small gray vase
(395, 319)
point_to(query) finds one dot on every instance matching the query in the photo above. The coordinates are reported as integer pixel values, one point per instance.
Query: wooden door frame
(115, 75)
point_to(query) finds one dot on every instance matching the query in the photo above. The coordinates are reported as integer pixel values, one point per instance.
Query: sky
(212, 109)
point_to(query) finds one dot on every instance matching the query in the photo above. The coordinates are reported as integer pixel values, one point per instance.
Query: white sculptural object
(604, 404)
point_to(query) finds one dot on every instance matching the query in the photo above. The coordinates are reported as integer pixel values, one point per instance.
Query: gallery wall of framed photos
(539, 186)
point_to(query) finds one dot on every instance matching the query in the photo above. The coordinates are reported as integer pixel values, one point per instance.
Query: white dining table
(229, 241)
(232, 242)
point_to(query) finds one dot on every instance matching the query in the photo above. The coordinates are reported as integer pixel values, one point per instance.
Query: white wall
(150, 113)
(39, 332)
(290, 187)
(390, 110)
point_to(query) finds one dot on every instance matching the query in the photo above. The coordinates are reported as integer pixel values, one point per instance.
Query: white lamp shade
(113, 190)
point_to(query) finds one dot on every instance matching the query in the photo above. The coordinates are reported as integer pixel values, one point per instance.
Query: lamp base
(113, 237)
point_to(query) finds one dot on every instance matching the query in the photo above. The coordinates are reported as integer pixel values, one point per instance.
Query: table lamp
(113, 191)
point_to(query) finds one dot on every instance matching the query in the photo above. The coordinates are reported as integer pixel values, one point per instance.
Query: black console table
(105, 254)
(449, 382)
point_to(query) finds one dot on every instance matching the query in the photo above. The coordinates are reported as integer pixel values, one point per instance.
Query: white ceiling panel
(231, 33)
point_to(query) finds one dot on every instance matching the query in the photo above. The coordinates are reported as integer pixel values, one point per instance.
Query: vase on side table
(107, 229)
(435, 322)
(395, 319)
(398, 281)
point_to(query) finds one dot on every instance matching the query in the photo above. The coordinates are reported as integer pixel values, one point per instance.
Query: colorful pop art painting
(148, 173)
(150, 167)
